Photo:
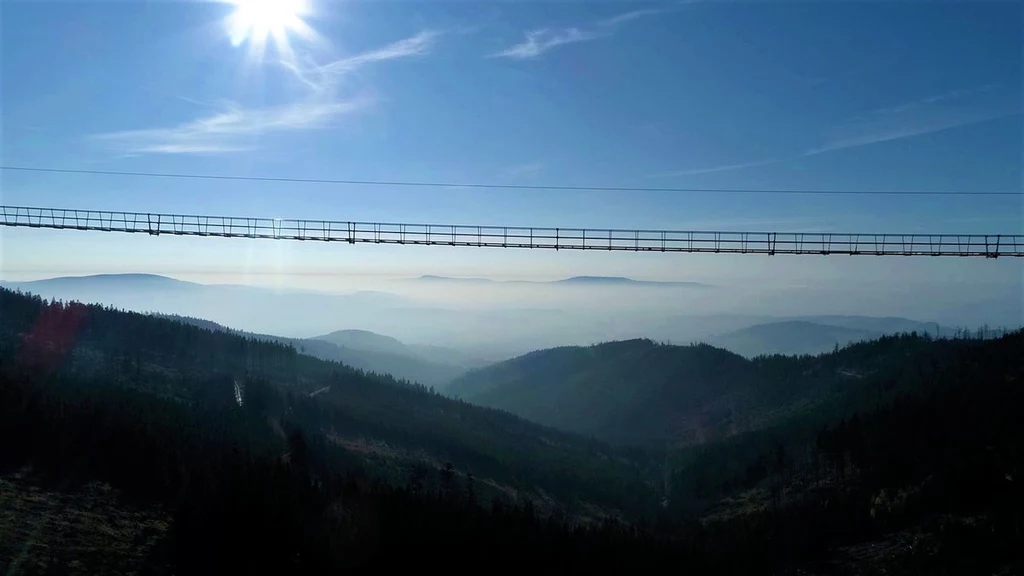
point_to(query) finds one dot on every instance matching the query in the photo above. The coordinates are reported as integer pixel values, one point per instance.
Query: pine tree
(448, 481)
(470, 490)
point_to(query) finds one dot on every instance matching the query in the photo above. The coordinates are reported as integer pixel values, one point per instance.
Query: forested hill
(917, 471)
(399, 361)
(642, 392)
(390, 425)
(132, 444)
(790, 337)
(633, 391)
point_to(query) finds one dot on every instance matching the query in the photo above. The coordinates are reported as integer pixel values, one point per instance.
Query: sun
(254, 21)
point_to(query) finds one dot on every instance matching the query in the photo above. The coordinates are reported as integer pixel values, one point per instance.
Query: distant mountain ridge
(509, 322)
(790, 337)
(103, 281)
(644, 393)
(364, 340)
(183, 363)
(573, 280)
(633, 391)
(623, 281)
(817, 334)
(360, 349)
(883, 324)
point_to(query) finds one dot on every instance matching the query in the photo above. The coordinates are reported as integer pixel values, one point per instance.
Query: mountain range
(646, 393)
(387, 424)
(608, 281)
(433, 366)
(632, 392)
(256, 309)
(245, 451)
(444, 321)
(817, 334)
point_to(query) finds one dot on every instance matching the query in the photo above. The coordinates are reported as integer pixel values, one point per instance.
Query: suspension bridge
(615, 240)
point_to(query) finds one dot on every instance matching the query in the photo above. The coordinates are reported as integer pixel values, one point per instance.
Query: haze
(500, 318)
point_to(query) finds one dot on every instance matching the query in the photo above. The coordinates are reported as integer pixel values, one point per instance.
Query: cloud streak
(723, 167)
(628, 17)
(531, 169)
(807, 224)
(234, 128)
(231, 129)
(929, 115)
(541, 40)
(901, 132)
(950, 96)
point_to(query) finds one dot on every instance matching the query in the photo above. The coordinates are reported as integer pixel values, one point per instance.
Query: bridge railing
(824, 243)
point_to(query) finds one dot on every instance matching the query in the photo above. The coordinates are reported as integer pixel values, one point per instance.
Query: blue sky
(812, 95)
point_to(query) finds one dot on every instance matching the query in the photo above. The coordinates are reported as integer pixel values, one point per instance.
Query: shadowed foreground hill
(427, 365)
(185, 451)
(790, 337)
(387, 424)
(641, 392)
(367, 351)
(634, 391)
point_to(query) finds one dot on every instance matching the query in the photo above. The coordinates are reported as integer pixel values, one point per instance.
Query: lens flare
(254, 21)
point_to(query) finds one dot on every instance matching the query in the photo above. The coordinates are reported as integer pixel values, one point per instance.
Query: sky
(863, 96)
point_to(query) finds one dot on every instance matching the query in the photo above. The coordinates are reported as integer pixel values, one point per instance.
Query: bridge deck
(717, 242)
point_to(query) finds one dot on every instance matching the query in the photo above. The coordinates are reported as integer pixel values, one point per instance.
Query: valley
(311, 287)
(691, 441)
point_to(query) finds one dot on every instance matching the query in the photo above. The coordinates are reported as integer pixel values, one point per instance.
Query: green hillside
(632, 391)
(134, 443)
(645, 393)
(790, 337)
(360, 349)
(390, 424)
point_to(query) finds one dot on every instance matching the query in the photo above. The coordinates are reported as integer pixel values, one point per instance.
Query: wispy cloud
(229, 130)
(413, 46)
(233, 127)
(530, 169)
(929, 115)
(807, 224)
(541, 40)
(950, 96)
(628, 17)
(901, 132)
(722, 168)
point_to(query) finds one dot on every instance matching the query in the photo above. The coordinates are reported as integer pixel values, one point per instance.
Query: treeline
(861, 379)
(242, 499)
(631, 392)
(940, 458)
(243, 458)
(195, 366)
(638, 392)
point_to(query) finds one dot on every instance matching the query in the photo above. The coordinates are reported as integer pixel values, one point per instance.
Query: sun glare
(254, 21)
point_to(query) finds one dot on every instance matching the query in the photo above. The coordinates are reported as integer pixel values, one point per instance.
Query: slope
(364, 340)
(790, 337)
(913, 472)
(339, 404)
(386, 355)
(256, 309)
(881, 325)
(247, 479)
(633, 391)
(641, 392)
(381, 355)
